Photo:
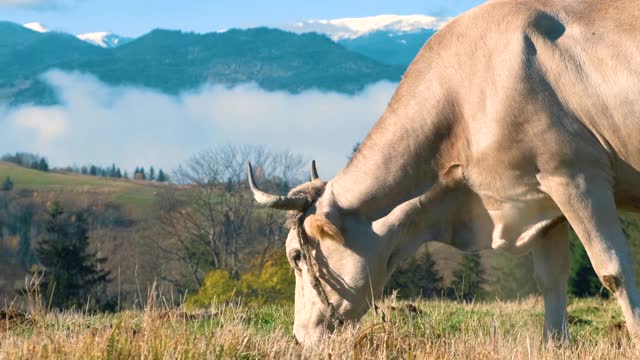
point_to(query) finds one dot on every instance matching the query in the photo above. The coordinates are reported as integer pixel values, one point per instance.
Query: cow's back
(522, 72)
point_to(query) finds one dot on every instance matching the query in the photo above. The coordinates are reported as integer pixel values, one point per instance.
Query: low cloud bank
(101, 124)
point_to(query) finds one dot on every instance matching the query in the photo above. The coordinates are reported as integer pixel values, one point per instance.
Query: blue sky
(136, 17)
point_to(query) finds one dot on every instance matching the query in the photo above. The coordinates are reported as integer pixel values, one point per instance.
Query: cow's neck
(399, 159)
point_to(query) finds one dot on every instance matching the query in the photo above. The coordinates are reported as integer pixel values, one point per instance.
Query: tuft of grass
(423, 329)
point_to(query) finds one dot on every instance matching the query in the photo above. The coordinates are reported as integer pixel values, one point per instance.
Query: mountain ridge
(173, 61)
(351, 28)
(343, 56)
(102, 39)
(337, 29)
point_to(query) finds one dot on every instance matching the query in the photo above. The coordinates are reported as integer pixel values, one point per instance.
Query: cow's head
(337, 258)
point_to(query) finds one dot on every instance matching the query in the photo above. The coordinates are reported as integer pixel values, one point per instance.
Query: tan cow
(514, 119)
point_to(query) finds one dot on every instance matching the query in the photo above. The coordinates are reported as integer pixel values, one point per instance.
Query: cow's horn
(274, 201)
(314, 171)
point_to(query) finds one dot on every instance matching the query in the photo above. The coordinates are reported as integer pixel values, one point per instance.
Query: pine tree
(118, 173)
(93, 170)
(139, 174)
(416, 278)
(112, 172)
(7, 184)
(25, 222)
(43, 165)
(161, 176)
(152, 174)
(469, 279)
(583, 280)
(71, 272)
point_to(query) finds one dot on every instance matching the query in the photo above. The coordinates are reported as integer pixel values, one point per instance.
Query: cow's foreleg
(587, 202)
(551, 266)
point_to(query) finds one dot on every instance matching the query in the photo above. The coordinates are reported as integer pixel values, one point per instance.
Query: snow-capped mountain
(104, 39)
(337, 29)
(391, 39)
(36, 26)
(351, 28)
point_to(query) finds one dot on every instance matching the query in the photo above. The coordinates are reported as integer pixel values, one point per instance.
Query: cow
(514, 121)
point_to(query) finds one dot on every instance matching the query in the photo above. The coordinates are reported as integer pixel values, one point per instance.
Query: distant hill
(174, 61)
(14, 35)
(352, 28)
(389, 47)
(25, 54)
(138, 197)
(391, 39)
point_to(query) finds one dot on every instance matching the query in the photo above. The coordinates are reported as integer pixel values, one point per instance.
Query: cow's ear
(320, 228)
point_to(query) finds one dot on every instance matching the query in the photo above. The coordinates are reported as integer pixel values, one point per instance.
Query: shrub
(218, 287)
(271, 283)
(7, 184)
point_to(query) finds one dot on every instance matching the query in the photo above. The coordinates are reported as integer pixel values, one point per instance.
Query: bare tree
(210, 215)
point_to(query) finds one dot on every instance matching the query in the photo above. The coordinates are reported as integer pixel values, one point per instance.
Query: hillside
(138, 197)
(174, 61)
(389, 47)
(121, 220)
(25, 54)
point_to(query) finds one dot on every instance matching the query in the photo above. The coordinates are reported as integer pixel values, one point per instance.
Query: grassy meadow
(136, 196)
(412, 330)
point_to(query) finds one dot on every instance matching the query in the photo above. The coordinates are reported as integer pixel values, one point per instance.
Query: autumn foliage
(272, 282)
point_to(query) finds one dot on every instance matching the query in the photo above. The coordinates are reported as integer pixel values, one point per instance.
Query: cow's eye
(296, 256)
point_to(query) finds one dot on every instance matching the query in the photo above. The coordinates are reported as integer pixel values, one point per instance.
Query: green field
(138, 196)
(420, 330)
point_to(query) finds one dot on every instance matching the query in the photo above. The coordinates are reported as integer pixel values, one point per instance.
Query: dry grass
(423, 330)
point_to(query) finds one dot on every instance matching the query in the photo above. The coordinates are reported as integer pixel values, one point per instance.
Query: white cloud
(132, 126)
(47, 123)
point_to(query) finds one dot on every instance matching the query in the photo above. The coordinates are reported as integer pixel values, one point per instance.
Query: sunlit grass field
(137, 196)
(400, 329)
(413, 330)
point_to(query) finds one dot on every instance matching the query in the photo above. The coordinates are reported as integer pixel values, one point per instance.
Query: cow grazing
(515, 120)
